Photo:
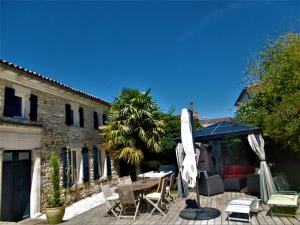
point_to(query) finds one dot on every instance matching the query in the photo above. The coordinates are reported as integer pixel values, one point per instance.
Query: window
(99, 118)
(74, 177)
(18, 106)
(72, 166)
(74, 115)
(20, 103)
(100, 164)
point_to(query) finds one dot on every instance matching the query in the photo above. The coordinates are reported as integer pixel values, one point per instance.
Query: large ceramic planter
(55, 215)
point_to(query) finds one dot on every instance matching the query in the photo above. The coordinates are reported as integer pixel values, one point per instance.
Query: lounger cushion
(113, 198)
(153, 195)
(284, 200)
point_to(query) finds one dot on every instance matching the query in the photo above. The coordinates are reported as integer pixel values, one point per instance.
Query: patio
(97, 215)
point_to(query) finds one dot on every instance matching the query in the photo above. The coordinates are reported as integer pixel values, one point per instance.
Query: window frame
(102, 164)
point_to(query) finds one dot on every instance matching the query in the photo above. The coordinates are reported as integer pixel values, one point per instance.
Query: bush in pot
(55, 210)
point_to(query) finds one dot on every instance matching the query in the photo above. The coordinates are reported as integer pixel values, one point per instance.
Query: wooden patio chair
(127, 200)
(169, 197)
(159, 197)
(111, 199)
(125, 180)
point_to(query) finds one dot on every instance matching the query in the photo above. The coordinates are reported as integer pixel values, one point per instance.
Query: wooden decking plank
(223, 204)
(218, 205)
(253, 218)
(205, 203)
(212, 204)
(293, 220)
(177, 207)
(97, 215)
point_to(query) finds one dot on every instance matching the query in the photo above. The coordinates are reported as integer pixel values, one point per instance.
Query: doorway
(16, 185)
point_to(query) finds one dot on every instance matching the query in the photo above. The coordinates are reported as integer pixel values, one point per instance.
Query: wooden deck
(97, 215)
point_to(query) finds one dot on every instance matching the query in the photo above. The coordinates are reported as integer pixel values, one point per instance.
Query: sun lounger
(283, 204)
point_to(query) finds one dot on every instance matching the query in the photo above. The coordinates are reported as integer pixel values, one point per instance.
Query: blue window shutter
(96, 120)
(104, 119)
(85, 158)
(9, 102)
(33, 107)
(96, 163)
(81, 117)
(65, 155)
(68, 115)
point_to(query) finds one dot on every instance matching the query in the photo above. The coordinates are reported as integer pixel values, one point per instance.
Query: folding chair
(127, 199)
(111, 199)
(159, 197)
(169, 197)
(124, 180)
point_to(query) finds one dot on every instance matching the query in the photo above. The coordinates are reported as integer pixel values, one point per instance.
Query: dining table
(141, 187)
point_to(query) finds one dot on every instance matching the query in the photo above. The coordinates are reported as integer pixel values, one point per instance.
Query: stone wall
(56, 135)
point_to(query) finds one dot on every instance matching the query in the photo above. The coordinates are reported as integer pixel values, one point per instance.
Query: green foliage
(134, 126)
(275, 104)
(172, 131)
(54, 200)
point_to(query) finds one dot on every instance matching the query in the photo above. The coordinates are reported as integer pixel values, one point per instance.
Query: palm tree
(134, 126)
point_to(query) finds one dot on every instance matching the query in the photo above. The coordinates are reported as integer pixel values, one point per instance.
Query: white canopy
(189, 172)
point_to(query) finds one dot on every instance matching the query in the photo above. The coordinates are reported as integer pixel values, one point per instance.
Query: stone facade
(55, 134)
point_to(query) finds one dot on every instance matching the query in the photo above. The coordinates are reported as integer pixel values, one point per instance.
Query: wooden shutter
(9, 102)
(104, 119)
(85, 158)
(96, 163)
(81, 118)
(68, 115)
(33, 107)
(96, 121)
(108, 163)
(66, 159)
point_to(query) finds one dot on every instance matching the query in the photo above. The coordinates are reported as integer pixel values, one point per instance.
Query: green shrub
(54, 200)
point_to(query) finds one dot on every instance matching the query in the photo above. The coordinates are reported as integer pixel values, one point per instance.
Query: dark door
(16, 182)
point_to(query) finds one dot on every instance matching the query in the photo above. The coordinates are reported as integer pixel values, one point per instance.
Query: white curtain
(267, 186)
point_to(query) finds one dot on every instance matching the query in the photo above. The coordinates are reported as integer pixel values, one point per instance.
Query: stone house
(37, 116)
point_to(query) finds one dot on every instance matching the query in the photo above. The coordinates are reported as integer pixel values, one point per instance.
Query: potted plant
(55, 210)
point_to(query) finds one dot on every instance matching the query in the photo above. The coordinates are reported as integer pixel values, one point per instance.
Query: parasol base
(199, 213)
(193, 212)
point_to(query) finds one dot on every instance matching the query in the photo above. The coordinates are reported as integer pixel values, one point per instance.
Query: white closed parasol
(189, 172)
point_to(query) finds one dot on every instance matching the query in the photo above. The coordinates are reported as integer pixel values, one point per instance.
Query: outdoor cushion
(284, 200)
(153, 195)
(113, 198)
(237, 171)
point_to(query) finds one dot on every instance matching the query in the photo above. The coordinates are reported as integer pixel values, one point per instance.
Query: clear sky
(182, 50)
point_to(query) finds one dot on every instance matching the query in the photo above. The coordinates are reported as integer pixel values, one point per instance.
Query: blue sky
(182, 50)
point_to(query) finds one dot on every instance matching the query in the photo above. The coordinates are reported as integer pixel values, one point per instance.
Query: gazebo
(224, 129)
(227, 129)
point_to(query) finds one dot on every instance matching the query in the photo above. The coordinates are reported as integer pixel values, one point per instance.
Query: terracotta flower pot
(55, 214)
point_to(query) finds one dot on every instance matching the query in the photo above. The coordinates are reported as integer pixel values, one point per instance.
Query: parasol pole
(192, 126)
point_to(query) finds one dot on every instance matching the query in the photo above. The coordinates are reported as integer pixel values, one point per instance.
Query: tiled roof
(51, 81)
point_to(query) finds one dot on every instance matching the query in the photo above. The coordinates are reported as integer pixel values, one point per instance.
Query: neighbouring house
(246, 94)
(39, 115)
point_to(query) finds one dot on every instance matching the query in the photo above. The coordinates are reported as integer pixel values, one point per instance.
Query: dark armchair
(210, 185)
(253, 183)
